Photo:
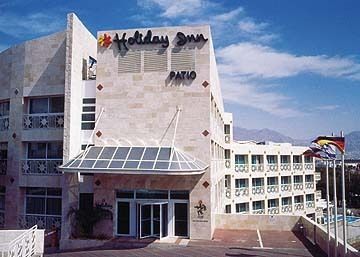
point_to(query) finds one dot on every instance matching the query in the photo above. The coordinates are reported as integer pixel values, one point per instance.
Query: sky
(289, 66)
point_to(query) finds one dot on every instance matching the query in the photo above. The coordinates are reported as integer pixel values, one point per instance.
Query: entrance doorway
(152, 220)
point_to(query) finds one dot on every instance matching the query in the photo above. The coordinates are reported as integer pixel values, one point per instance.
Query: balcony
(286, 187)
(43, 121)
(310, 204)
(243, 191)
(298, 186)
(227, 163)
(286, 208)
(41, 166)
(273, 188)
(227, 138)
(285, 167)
(3, 167)
(308, 166)
(42, 221)
(272, 167)
(4, 123)
(257, 167)
(242, 168)
(309, 185)
(299, 206)
(297, 166)
(258, 211)
(318, 194)
(258, 190)
(273, 210)
(228, 193)
(317, 176)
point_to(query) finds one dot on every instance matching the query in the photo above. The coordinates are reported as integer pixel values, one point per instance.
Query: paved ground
(226, 243)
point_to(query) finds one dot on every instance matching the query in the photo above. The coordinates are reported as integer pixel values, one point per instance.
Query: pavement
(237, 243)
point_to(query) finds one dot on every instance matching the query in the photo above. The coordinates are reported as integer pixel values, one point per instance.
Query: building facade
(132, 121)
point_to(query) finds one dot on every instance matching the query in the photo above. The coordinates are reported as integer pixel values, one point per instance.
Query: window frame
(48, 105)
(46, 150)
(45, 197)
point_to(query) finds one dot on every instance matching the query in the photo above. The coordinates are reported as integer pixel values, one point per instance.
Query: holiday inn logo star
(105, 40)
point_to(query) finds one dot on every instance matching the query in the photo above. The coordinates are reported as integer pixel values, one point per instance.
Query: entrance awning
(135, 160)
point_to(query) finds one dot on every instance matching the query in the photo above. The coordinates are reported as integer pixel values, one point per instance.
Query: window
(298, 199)
(228, 208)
(45, 150)
(4, 108)
(271, 159)
(240, 159)
(308, 159)
(285, 158)
(257, 182)
(227, 129)
(227, 153)
(286, 201)
(47, 105)
(298, 179)
(257, 205)
(227, 181)
(271, 181)
(3, 158)
(296, 159)
(273, 203)
(43, 201)
(310, 197)
(241, 183)
(88, 114)
(309, 178)
(285, 180)
(242, 207)
(256, 159)
(2, 206)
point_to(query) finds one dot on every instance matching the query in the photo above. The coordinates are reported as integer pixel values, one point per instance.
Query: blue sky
(289, 66)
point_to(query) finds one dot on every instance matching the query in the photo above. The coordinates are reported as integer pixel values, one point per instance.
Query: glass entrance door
(152, 220)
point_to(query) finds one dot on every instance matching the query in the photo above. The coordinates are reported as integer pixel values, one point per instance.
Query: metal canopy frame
(134, 160)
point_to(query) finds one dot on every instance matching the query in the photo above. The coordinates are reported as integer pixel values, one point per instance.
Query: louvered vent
(183, 60)
(155, 60)
(130, 62)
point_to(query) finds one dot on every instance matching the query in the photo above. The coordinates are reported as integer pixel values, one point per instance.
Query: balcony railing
(228, 193)
(273, 188)
(286, 187)
(4, 123)
(227, 138)
(43, 121)
(2, 218)
(286, 208)
(259, 211)
(297, 166)
(272, 167)
(41, 166)
(242, 168)
(3, 167)
(308, 166)
(243, 191)
(309, 185)
(258, 190)
(317, 176)
(285, 167)
(273, 210)
(42, 221)
(227, 163)
(257, 167)
(310, 204)
(299, 206)
(298, 186)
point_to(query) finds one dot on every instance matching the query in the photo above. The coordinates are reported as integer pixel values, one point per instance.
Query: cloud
(255, 60)
(329, 107)
(31, 24)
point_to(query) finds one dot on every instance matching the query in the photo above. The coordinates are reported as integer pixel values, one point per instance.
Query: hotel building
(135, 119)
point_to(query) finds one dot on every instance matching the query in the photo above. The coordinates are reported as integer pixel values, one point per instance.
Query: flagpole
(335, 210)
(343, 196)
(327, 207)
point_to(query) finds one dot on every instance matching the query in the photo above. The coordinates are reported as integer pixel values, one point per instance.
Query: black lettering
(155, 40)
(165, 41)
(178, 75)
(201, 37)
(147, 38)
(172, 75)
(181, 39)
(191, 38)
(193, 75)
(183, 73)
(131, 40)
(121, 42)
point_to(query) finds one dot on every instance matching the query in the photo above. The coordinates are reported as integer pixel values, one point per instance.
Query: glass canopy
(136, 160)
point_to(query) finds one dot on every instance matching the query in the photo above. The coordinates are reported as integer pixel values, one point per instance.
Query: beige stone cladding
(80, 44)
(140, 103)
(32, 69)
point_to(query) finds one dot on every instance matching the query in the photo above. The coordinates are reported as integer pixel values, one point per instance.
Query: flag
(338, 142)
(326, 152)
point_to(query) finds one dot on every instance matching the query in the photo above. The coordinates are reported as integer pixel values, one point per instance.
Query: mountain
(352, 139)
(260, 135)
